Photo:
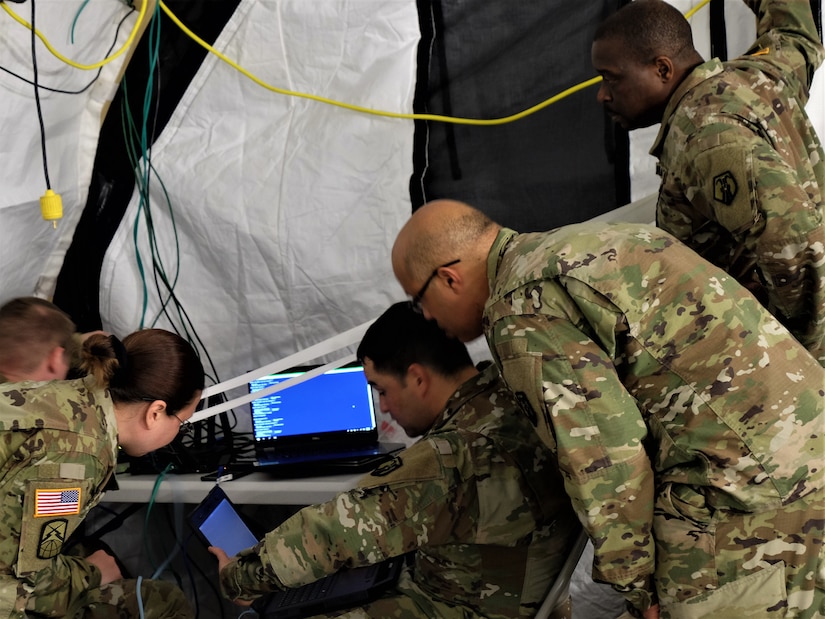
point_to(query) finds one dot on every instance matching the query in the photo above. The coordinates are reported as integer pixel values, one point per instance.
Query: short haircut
(648, 28)
(401, 336)
(458, 234)
(30, 328)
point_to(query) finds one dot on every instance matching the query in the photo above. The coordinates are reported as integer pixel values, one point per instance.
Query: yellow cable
(693, 11)
(355, 108)
(365, 110)
(59, 56)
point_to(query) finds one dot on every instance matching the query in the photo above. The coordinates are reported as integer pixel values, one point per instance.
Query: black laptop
(325, 425)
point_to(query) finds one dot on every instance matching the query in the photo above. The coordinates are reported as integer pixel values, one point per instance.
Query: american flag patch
(65, 501)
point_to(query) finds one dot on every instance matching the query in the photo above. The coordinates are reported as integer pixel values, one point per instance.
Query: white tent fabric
(72, 124)
(285, 208)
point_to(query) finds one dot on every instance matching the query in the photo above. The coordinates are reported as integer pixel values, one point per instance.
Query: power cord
(51, 204)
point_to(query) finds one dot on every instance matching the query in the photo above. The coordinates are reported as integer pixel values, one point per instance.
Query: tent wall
(275, 214)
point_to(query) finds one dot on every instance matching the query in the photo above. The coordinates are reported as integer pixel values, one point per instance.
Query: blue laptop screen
(338, 401)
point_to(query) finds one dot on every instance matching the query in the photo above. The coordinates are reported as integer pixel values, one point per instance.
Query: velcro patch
(56, 502)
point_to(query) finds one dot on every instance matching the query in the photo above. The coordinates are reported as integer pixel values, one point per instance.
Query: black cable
(37, 102)
(87, 86)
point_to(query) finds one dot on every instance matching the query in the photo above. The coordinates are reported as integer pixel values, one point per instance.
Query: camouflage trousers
(407, 601)
(118, 600)
(729, 565)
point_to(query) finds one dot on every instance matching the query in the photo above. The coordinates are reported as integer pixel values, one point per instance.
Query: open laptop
(324, 425)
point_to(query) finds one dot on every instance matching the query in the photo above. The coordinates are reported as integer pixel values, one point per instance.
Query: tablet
(217, 523)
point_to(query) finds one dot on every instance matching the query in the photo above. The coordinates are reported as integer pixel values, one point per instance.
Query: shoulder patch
(52, 536)
(385, 468)
(725, 188)
(56, 501)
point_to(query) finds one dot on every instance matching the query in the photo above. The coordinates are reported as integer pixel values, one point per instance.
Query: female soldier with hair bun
(58, 450)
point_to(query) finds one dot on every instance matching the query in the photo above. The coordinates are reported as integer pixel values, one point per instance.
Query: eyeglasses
(185, 426)
(415, 303)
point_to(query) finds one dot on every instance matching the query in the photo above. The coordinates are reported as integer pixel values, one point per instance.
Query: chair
(560, 586)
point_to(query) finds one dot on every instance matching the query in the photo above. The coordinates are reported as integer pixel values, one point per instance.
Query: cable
(357, 108)
(72, 63)
(366, 110)
(87, 86)
(37, 104)
(51, 204)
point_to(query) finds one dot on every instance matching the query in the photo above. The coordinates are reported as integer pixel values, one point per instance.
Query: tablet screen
(220, 525)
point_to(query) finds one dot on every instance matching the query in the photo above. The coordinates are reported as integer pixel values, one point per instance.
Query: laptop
(217, 523)
(324, 425)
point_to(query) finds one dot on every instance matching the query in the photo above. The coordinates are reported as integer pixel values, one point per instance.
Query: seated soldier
(477, 500)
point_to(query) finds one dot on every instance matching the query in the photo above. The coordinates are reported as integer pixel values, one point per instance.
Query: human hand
(652, 612)
(223, 561)
(109, 571)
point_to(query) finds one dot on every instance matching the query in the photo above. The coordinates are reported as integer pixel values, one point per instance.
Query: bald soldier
(688, 422)
(476, 499)
(743, 171)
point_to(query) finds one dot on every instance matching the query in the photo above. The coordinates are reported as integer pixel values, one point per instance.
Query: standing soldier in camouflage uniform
(476, 498)
(58, 450)
(743, 172)
(688, 423)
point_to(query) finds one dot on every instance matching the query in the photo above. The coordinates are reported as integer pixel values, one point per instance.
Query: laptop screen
(335, 406)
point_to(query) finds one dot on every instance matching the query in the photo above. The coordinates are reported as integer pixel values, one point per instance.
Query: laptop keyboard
(312, 591)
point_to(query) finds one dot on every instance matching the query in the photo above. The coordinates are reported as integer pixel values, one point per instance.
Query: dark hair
(401, 336)
(648, 28)
(150, 364)
(30, 328)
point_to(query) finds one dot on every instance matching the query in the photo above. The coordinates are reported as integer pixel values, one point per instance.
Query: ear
(56, 364)
(664, 69)
(154, 413)
(452, 277)
(418, 378)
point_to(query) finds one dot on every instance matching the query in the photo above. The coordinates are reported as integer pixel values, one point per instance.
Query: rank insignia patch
(725, 188)
(52, 536)
(385, 468)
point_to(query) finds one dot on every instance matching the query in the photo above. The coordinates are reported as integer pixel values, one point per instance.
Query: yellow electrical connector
(51, 206)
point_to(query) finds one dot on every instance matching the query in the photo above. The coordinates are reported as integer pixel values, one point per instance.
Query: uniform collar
(704, 71)
(468, 390)
(505, 235)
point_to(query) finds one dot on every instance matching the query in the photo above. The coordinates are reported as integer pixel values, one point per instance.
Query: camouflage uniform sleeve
(585, 412)
(54, 582)
(388, 514)
(788, 30)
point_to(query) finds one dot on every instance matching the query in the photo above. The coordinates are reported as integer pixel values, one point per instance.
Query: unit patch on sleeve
(52, 536)
(725, 188)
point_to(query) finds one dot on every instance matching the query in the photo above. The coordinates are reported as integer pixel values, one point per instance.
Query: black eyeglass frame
(415, 302)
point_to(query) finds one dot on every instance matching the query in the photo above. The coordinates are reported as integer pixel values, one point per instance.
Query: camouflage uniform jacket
(58, 448)
(743, 172)
(651, 373)
(475, 498)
